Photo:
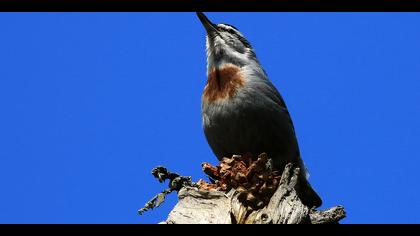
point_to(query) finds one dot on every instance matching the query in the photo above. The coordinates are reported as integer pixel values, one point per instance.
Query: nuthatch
(242, 112)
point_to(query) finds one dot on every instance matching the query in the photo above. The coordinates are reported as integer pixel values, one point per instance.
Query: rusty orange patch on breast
(223, 83)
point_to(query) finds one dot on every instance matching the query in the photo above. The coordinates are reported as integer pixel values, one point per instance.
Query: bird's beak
(210, 27)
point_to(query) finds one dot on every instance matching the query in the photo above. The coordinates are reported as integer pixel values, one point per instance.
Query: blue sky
(91, 102)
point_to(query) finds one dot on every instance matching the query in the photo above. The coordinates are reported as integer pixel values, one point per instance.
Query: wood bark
(198, 206)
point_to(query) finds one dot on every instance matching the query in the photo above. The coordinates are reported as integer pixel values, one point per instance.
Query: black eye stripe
(230, 30)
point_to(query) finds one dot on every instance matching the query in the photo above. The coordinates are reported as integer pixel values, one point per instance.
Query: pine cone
(253, 179)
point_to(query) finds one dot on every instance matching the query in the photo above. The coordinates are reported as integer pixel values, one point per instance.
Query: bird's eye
(230, 31)
(227, 28)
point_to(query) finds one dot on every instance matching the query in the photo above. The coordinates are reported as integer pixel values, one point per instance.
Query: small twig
(155, 201)
(176, 182)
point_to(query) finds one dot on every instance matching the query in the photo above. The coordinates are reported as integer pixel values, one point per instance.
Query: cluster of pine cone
(254, 180)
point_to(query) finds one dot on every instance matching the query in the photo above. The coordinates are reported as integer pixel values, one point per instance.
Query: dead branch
(245, 191)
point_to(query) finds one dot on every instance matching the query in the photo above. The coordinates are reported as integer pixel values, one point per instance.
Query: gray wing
(276, 97)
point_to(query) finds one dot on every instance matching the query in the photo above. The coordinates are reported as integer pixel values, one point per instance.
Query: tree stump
(214, 204)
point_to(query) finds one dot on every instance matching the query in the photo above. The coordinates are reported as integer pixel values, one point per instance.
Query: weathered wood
(329, 216)
(198, 206)
(201, 207)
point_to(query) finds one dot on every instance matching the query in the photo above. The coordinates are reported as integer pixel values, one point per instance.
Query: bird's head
(225, 44)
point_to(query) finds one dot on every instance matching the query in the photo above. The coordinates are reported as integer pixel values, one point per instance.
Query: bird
(242, 111)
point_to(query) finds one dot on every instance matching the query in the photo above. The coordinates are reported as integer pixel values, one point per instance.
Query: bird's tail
(306, 193)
